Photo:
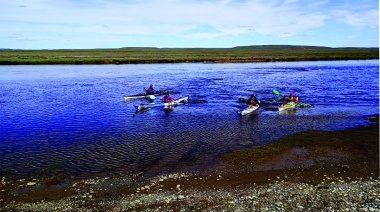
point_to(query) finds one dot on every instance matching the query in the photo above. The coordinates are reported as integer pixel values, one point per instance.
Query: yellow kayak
(287, 105)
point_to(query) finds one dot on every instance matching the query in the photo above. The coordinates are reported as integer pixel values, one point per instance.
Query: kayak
(182, 100)
(144, 95)
(288, 105)
(249, 110)
(142, 107)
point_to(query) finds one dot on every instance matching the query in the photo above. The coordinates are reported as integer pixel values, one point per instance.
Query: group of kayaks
(248, 110)
(152, 96)
(283, 107)
(286, 106)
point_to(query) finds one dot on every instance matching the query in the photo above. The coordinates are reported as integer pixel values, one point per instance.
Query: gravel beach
(306, 171)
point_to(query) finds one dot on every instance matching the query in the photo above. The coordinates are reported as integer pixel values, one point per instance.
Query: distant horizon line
(151, 47)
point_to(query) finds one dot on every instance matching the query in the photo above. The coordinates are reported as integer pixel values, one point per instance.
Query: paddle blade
(276, 92)
(303, 105)
(152, 97)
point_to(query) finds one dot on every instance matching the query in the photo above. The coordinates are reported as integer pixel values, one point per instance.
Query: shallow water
(74, 118)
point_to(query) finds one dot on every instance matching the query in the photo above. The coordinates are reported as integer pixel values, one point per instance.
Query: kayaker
(150, 90)
(291, 98)
(167, 98)
(252, 101)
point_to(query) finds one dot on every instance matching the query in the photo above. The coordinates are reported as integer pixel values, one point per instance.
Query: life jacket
(166, 99)
(150, 90)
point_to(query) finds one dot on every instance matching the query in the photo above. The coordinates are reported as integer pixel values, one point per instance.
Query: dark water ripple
(73, 119)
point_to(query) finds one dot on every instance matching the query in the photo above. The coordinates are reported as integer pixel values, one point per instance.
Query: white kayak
(249, 110)
(143, 107)
(182, 100)
(287, 106)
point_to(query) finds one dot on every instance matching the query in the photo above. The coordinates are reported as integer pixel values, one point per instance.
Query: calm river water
(74, 118)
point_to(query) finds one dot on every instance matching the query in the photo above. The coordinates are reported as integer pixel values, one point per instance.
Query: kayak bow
(182, 100)
(287, 105)
(249, 110)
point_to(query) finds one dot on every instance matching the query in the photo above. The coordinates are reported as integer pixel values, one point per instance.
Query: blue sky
(84, 24)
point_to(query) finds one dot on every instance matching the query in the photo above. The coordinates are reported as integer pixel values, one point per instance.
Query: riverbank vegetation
(136, 55)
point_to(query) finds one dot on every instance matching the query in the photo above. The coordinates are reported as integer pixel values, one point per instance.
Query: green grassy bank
(132, 55)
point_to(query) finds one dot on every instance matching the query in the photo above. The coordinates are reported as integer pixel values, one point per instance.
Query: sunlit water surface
(74, 118)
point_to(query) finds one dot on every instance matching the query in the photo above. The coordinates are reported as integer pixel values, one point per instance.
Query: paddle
(276, 92)
(300, 104)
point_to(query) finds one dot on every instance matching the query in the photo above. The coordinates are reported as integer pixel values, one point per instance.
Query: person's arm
(256, 100)
(248, 101)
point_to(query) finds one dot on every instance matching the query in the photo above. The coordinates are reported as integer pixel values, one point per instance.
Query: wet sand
(302, 166)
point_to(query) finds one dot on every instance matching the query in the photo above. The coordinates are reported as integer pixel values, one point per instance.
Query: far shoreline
(145, 55)
(105, 62)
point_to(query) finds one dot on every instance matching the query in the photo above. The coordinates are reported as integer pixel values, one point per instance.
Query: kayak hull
(249, 110)
(182, 100)
(287, 106)
(143, 107)
(143, 95)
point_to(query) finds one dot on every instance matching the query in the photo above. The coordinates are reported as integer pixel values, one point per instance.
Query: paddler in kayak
(252, 101)
(150, 90)
(290, 98)
(167, 98)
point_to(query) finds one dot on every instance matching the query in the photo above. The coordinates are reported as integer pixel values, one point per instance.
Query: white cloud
(137, 17)
(179, 18)
(360, 19)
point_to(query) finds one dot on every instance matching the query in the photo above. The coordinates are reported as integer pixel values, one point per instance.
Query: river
(73, 118)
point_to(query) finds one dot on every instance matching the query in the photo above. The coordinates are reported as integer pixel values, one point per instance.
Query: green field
(136, 55)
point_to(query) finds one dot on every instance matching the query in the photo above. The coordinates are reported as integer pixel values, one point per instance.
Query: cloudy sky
(62, 24)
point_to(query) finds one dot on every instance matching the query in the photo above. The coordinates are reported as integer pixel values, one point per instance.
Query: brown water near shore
(306, 157)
